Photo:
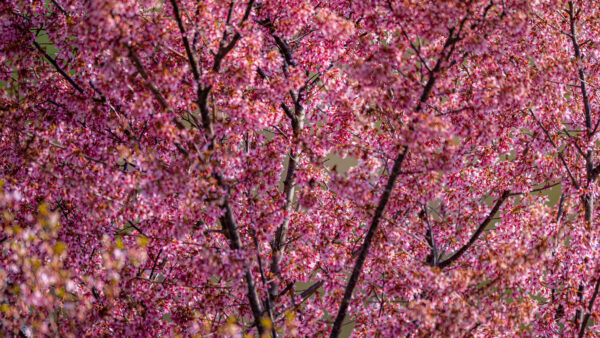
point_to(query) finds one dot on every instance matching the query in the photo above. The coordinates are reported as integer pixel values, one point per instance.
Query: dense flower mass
(299, 168)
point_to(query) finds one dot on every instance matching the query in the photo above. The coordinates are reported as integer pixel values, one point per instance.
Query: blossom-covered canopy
(299, 168)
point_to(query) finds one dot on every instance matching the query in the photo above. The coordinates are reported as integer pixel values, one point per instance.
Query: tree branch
(58, 68)
(364, 250)
(186, 43)
(581, 73)
(477, 232)
(446, 53)
(560, 155)
(230, 230)
(224, 49)
(264, 281)
(228, 222)
(586, 317)
(140, 68)
(60, 8)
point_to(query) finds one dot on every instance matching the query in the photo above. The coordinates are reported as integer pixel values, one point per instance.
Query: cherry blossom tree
(168, 168)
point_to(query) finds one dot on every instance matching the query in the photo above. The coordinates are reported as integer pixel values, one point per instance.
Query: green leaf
(167, 317)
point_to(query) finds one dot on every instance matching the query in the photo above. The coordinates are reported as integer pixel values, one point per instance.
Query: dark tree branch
(224, 49)
(282, 44)
(305, 295)
(186, 43)
(288, 113)
(547, 186)
(364, 250)
(136, 228)
(140, 68)
(264, 281)
(228, 222)
(285, 50)
(592, 171)
(154, 264)
(230, 230)
(430, 238)
(581, 73)
(417, 51)
(579, 150)
(448, 49)
(560, 155)
(60, 8)
(297, 122)
(58, 68)
(278, 245)
(204, 111)
(586, 317)
(454, 36)
(477, 232)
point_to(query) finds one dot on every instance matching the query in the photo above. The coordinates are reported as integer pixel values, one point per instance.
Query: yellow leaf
(120, 244)
(43, 209)
(143, 241)
(59, 248)
(266, 323)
